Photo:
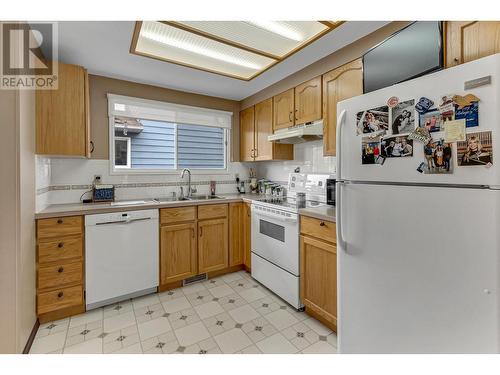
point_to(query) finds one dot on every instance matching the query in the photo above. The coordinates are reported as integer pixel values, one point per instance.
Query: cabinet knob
(322, 224)
(59, 221)
(456, 59)
(60, 245)
(60, 294)
(60, 270)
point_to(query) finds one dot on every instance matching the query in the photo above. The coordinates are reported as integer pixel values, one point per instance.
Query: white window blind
(148, 136)
(119, 105)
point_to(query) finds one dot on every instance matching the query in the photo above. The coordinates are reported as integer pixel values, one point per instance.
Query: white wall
(17, 208)
(308, 156)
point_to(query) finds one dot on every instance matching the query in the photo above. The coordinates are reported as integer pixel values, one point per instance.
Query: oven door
(275, 237)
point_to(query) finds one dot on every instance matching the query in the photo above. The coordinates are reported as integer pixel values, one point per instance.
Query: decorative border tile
(133, 185)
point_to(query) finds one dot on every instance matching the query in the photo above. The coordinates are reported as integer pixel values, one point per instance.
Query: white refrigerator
(418, 254)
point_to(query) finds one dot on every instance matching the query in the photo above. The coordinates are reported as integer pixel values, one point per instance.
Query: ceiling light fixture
(279, 28)
(198, 50)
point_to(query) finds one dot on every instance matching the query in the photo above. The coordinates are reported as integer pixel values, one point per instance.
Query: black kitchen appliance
(330, 191)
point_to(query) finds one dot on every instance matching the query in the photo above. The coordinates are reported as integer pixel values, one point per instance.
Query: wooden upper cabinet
(263, 129)
(318, 281)
(62, 115)
(178, 253)
(284, 107)
(212, 245)
(339, 84)
(256, 124)
(471, 40)
(308, 101)
(247, 134)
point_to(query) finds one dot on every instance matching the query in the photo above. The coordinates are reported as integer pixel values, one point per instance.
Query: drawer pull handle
(60, 244)
(59, 221)
(60, 294)
(60, 270)
(322, 224)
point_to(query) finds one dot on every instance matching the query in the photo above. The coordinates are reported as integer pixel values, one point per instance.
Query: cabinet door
(308, 101)
(212, 245)
(471, 40)
(339, 84)
(247, 228)
(318, 282)
(236, 233)
(283, 105)
(62, 121)
(263, 129)
(178, 255)
(247, 134)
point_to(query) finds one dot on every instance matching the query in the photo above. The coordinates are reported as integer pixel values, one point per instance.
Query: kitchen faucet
(191, 190)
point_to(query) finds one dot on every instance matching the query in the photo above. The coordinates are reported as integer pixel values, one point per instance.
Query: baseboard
(31, 338)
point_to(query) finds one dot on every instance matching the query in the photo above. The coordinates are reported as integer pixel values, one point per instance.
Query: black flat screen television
(411, 52)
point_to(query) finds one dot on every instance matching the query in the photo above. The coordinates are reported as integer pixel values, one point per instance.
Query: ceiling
(103, 47)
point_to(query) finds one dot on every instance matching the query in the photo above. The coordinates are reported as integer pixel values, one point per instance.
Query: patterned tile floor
(229, 314)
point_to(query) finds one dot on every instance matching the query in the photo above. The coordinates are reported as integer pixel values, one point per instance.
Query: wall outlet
(97, 179)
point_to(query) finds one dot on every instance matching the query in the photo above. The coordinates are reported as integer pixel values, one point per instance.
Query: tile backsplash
(308, 156)
(62, 180)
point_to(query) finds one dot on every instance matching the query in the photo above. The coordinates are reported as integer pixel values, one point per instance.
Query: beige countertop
(71, 209)
(326, 213)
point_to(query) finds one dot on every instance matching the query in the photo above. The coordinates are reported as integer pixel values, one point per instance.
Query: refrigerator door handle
(340, 123)
(338, 201)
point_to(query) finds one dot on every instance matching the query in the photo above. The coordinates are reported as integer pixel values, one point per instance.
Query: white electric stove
(275, 235)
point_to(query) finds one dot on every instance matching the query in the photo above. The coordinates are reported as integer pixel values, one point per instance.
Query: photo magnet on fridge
(431, 120)
(470, 113)
(402, 117)
(372, 120)
(476, 150)
(439, 157)
(395, 147)
(370, 150)
(447, 108)
(421, 135)
(454, 131)
(423, 105)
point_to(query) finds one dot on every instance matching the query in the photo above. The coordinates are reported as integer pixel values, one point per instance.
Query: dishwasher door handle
(124, 221)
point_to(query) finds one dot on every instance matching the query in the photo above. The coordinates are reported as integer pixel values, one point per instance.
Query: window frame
(120, 170)
(129, 153)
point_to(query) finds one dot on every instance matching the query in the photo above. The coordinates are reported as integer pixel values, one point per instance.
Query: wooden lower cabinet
(212, 245)
(236, 233)
(318, 281)
(178, 253)
(60, 267)
(247, 235)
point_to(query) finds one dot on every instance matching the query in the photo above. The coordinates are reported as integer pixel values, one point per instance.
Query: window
(154, 137)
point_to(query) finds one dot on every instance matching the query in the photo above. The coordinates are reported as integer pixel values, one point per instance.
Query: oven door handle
(279, 218)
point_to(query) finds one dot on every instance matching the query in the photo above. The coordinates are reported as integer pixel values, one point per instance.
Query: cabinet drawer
(320, 229)
(59, 299)
(60, 250)
(177, 214)
(60, 274)
(212, 211)
(59, 226)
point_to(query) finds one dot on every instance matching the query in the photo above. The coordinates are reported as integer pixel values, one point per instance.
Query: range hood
(311, 131)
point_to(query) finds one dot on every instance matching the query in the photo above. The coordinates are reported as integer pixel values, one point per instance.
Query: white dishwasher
(121, 256)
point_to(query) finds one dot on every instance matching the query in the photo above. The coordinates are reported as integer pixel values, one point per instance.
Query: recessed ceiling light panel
(239, 49)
